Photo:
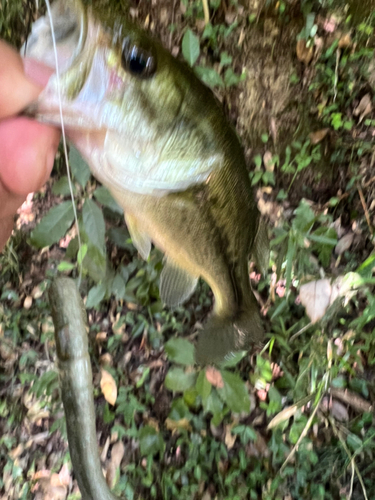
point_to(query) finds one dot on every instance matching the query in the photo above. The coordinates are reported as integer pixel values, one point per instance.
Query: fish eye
(138, 60)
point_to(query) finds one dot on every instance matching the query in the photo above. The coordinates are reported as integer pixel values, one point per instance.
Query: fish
(156, 137)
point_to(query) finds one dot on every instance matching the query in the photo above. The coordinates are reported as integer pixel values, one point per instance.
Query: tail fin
(223, 336)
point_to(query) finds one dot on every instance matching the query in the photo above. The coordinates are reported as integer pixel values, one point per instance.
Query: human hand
(27, 148)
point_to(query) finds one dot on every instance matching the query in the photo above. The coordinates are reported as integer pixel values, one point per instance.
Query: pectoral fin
(176, 285)
(140, 239)
(261, 248)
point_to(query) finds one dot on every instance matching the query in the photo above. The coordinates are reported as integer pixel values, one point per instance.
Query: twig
(370, 181)
(352, 400)
(303, 329)
(363, 201)
(303, 434)
(206, 11)
(338, 52)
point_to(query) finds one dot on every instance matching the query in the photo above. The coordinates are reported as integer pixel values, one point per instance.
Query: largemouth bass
(155, 136)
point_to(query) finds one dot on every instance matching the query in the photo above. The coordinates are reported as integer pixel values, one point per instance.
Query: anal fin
(176, 285)
(140, 239)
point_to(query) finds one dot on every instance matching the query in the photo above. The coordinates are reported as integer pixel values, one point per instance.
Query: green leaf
(151, 441)
(178, 380)
(209, 76)
(214, 405)
(95, 295)
(231, 78)
(62, 187)
(203, 386)
(324, 240)
(225, 59)
(53, 226)
(119, 236)
(180, 351)
(179, 410)
(93, 222)
(233, 360)
(80, 169)
(118, 287)
(190, 47)
(95, 263)
(234, 393)
(65, 266)
(104, 197)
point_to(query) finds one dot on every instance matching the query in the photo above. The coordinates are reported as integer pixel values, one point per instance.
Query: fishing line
(65, 148)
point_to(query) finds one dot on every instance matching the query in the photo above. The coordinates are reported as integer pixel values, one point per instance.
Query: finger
(16, 91)
(27, 154)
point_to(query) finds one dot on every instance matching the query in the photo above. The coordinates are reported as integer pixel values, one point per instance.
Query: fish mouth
(56, 40)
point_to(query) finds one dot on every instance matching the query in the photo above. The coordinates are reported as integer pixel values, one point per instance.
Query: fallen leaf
(230, 438)
(101, 337)
(175, 425)
(16, 452)
(108, 387)
(268, 161)
(283, 415)
(304, 53)
(106, 360)
(25, 212)
(117, 454)
(316, 137)
(214, 377)
(339, 411)
(345, 41)
(316, 297)
(36, 412)
(64, 475)
(344, 243)
(28, 302)
(37, 291)
(364, 107)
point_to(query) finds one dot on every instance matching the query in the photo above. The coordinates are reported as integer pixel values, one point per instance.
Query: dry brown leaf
(345, 41)
(268, 161)
(16, 452)
(316, 297)
(64, 475)
(36, 412)
(37, 291)
(119, 325)
(339, 411)
(132, 306)
(229, 438)
(117, 453)
(28, 302)
(283, 415)
(363, 105)
(304, 53)
(175, 425)
(106, 359)
(316, 137)
(108, 387)
(101, 337)
(344, 243)
(214, 377)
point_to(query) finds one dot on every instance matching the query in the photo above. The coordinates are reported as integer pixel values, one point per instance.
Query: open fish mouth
(66, 29)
